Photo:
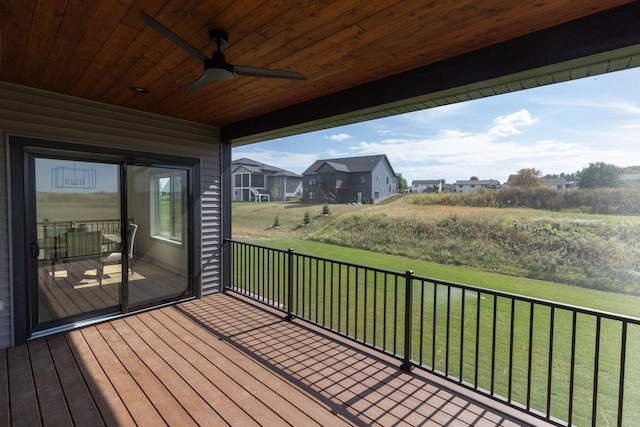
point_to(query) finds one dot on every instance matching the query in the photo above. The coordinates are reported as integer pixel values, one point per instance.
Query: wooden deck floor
(222, 360)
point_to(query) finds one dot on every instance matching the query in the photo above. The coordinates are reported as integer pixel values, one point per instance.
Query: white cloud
(509, 124)
(339, 137)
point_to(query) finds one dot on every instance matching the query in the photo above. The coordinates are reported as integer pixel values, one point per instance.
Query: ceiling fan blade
(167, 33)
(204, 80)
(267, 72)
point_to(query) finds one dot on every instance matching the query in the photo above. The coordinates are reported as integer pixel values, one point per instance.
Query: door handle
(34, 250)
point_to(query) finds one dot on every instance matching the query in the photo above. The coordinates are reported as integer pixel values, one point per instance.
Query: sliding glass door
(110, 236)
(157, 201)
(78, 219)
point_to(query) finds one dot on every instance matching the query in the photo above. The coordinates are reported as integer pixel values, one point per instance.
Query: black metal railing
(561, 363)
(67, 239)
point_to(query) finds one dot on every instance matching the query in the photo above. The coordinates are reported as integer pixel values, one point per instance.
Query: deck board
(22, 392)
(222, 360)
(82, 406)
(108, 401)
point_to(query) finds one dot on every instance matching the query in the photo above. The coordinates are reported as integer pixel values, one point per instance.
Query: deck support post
(407, 366)
(289, 315)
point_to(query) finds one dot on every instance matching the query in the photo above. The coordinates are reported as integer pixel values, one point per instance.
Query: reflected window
(166, 206)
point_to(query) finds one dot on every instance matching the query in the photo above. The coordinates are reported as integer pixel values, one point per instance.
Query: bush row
(586, 253)
(609, 201)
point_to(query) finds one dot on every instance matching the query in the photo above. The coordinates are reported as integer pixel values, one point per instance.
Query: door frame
(22, 233)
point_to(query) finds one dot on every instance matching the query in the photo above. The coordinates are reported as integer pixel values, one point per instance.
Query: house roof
(257, 167)
(425, 182)
(363, 60)
(349, 164)
(477, 182)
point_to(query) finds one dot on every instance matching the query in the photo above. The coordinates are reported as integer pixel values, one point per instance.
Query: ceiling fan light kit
(216, 67)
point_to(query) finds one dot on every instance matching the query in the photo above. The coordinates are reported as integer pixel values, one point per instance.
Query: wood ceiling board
(45, 20)
(599, 34)
(16, 25)
(97, 49)
(101, 26)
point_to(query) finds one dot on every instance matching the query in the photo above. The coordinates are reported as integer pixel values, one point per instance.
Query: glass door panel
(158, 234)
(78, 223)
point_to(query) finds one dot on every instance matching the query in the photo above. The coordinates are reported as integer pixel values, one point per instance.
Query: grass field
(252, 223)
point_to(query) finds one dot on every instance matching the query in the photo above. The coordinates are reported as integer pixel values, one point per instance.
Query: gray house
(253, 181)
(426, 186)
(351, 179)
(558, 183)
(473, 185)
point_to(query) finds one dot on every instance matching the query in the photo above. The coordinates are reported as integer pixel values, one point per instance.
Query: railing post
(289, 315)
(407, 366)
(227, 264)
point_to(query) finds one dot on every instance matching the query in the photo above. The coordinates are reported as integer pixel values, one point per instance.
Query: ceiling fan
(216, 67)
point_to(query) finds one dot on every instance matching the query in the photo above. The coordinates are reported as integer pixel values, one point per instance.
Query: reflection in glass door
(78, 224)
(90, 260)
(159, 238)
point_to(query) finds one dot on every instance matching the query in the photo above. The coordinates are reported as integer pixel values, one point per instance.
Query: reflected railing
(53, 241)
(565, 364)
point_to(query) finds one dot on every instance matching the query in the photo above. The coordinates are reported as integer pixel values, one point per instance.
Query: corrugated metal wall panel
(46, 115)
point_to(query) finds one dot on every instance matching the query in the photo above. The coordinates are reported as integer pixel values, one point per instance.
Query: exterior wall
(40, 114)
(242, 193)
(293, 186)
(383, 181)
(473, 186)
(467, 188)
(429, 186)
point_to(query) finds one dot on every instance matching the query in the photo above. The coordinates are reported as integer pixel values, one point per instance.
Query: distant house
(426, 186)
(472, 185)
(253, 181)
(351, 179)
(558, 183)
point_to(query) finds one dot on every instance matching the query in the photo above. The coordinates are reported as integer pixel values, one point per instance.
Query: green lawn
(252, 222)
(599, 300)
(352, 302)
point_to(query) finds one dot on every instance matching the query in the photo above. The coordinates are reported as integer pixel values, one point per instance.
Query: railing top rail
(473, 288)
(68, 221)
(303, 255)
(534, 300)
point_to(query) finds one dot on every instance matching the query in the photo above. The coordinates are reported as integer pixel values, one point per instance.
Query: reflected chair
(116, 257)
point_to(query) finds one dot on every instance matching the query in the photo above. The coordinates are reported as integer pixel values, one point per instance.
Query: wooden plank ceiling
(98, 49)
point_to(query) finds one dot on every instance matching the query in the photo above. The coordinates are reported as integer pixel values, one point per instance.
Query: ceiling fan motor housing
(218, 68)
(219, 38)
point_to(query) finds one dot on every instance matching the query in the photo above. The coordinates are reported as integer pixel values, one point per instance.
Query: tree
(525, 177)
(600, 175)
(275, 193)
(402, 183)
(325, 209)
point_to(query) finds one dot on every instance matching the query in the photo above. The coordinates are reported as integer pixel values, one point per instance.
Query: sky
(556, 128)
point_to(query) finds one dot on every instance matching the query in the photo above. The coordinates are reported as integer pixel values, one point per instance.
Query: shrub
(325, 209)
(306, 220)
(276, 222)
(587, 253)
(608, 201)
